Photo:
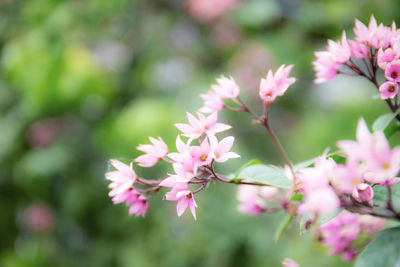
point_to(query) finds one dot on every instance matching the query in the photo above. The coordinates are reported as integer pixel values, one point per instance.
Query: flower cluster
(340, 233)
(375, 46)
(369, 161)
(342, 183)
(122, 190)
(193, 163)
(253, 199)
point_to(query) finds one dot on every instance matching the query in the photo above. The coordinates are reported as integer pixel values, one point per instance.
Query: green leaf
(384, 250)
(383, 121)
(392, 129)
(284, 223)
(297, 197)
(250, 163)
(264, 174)
(381, 194)
(304, 164)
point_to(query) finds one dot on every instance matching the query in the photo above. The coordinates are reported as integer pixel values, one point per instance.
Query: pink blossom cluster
(193, 162)
(254, 199)
(275, 85)
(340, 233)
(375, 46)
(369, 161)
(122, 190)
(324, 188)
(226, 88)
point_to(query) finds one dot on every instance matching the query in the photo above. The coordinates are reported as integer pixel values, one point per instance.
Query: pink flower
(380, 163)
(385, 57)
(317, 177)
(377, 36)
(154, 152)
(371, 225)
(355, 150)
(289, 263)
(128, 195)
(197, 127)
(364, 33)
(226, 88)
(383, 36)
(185, 166)
(276, 85)
(138, 206)
(221, 151)
(347, 177)
(358, 50)
(253, 198)
(340, 232)
(363, 194)
(325, 67)
(122, 179)
(211, 103)
(389, 90)
(340, 52)
(201, 154)
(392, 71)
(250, 200)
(321, 201)
(185, 200)
(395, 36)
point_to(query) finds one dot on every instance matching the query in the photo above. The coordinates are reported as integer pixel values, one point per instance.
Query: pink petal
(181, 206)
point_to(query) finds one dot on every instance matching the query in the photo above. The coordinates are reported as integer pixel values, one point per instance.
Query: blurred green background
(85, 81)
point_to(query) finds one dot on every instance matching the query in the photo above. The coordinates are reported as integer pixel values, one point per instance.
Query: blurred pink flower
(363, 194)
(339, 232)
(358, 50)
(325, 67)
(226, 88)
(276, 84)
(347, 177)
(321, 201)
(289, 263)
(253, 198)
(38, 218)
(138, 206)
(211, 103)
(385, 57)
(380, 163)
(371, 225)
(339, 51)
(45, 132)
(121, 179)
(209, 10)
